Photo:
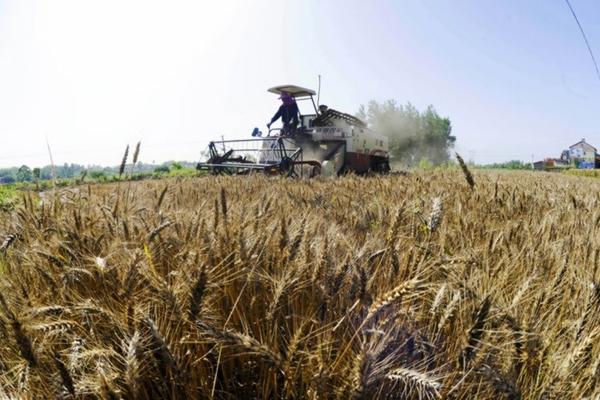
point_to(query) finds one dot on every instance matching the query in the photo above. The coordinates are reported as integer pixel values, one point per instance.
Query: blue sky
(514, 77)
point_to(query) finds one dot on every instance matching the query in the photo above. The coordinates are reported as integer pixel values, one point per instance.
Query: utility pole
(319, 92)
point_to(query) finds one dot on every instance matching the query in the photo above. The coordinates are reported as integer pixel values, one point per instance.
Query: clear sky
(514, 76)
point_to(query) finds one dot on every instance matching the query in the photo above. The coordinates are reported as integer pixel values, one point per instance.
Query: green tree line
(513, 164)
(25, 173)
(415, 137)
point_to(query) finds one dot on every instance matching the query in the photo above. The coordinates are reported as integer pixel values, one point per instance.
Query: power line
(587, 43)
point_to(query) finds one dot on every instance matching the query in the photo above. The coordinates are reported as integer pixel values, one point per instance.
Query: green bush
(425, 164)
(163, 169)
(9, 197)
(188, 172)
(98, 176)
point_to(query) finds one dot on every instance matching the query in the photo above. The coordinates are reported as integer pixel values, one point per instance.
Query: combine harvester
(326, 142)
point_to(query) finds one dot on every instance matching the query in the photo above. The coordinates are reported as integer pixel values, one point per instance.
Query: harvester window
(307, 120)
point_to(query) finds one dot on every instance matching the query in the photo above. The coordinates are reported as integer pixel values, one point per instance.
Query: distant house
(583, 155)
(539, 165)
(549, 164)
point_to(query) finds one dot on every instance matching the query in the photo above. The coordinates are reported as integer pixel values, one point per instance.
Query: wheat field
(398, 287)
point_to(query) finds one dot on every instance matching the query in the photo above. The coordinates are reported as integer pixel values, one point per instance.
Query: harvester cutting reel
(271, 155)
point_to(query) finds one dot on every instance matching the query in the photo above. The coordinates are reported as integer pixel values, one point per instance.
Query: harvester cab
(300, 95)
(326, 142)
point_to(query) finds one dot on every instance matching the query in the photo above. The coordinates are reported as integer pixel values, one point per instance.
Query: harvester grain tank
(326, 142)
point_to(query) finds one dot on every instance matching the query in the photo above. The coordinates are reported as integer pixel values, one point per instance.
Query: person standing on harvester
(288, 113)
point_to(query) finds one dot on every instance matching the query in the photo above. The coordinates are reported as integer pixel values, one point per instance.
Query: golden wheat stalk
(136, 153)
(65, 376)
(437, 212)
(23, 341)
(133, 364)
(428, 386)
(123, 162)
(197, 294)
(475, 333)
(394, 295)
(251, 345)
(466, 172)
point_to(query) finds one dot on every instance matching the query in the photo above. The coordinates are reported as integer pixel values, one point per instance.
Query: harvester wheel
(386, 168)
(286, 166)
(382, 167)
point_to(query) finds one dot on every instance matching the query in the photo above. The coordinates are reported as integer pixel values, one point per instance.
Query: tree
(24, 174)
(162, 169)
(413, 136)
(46, 172)
(98, 175)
